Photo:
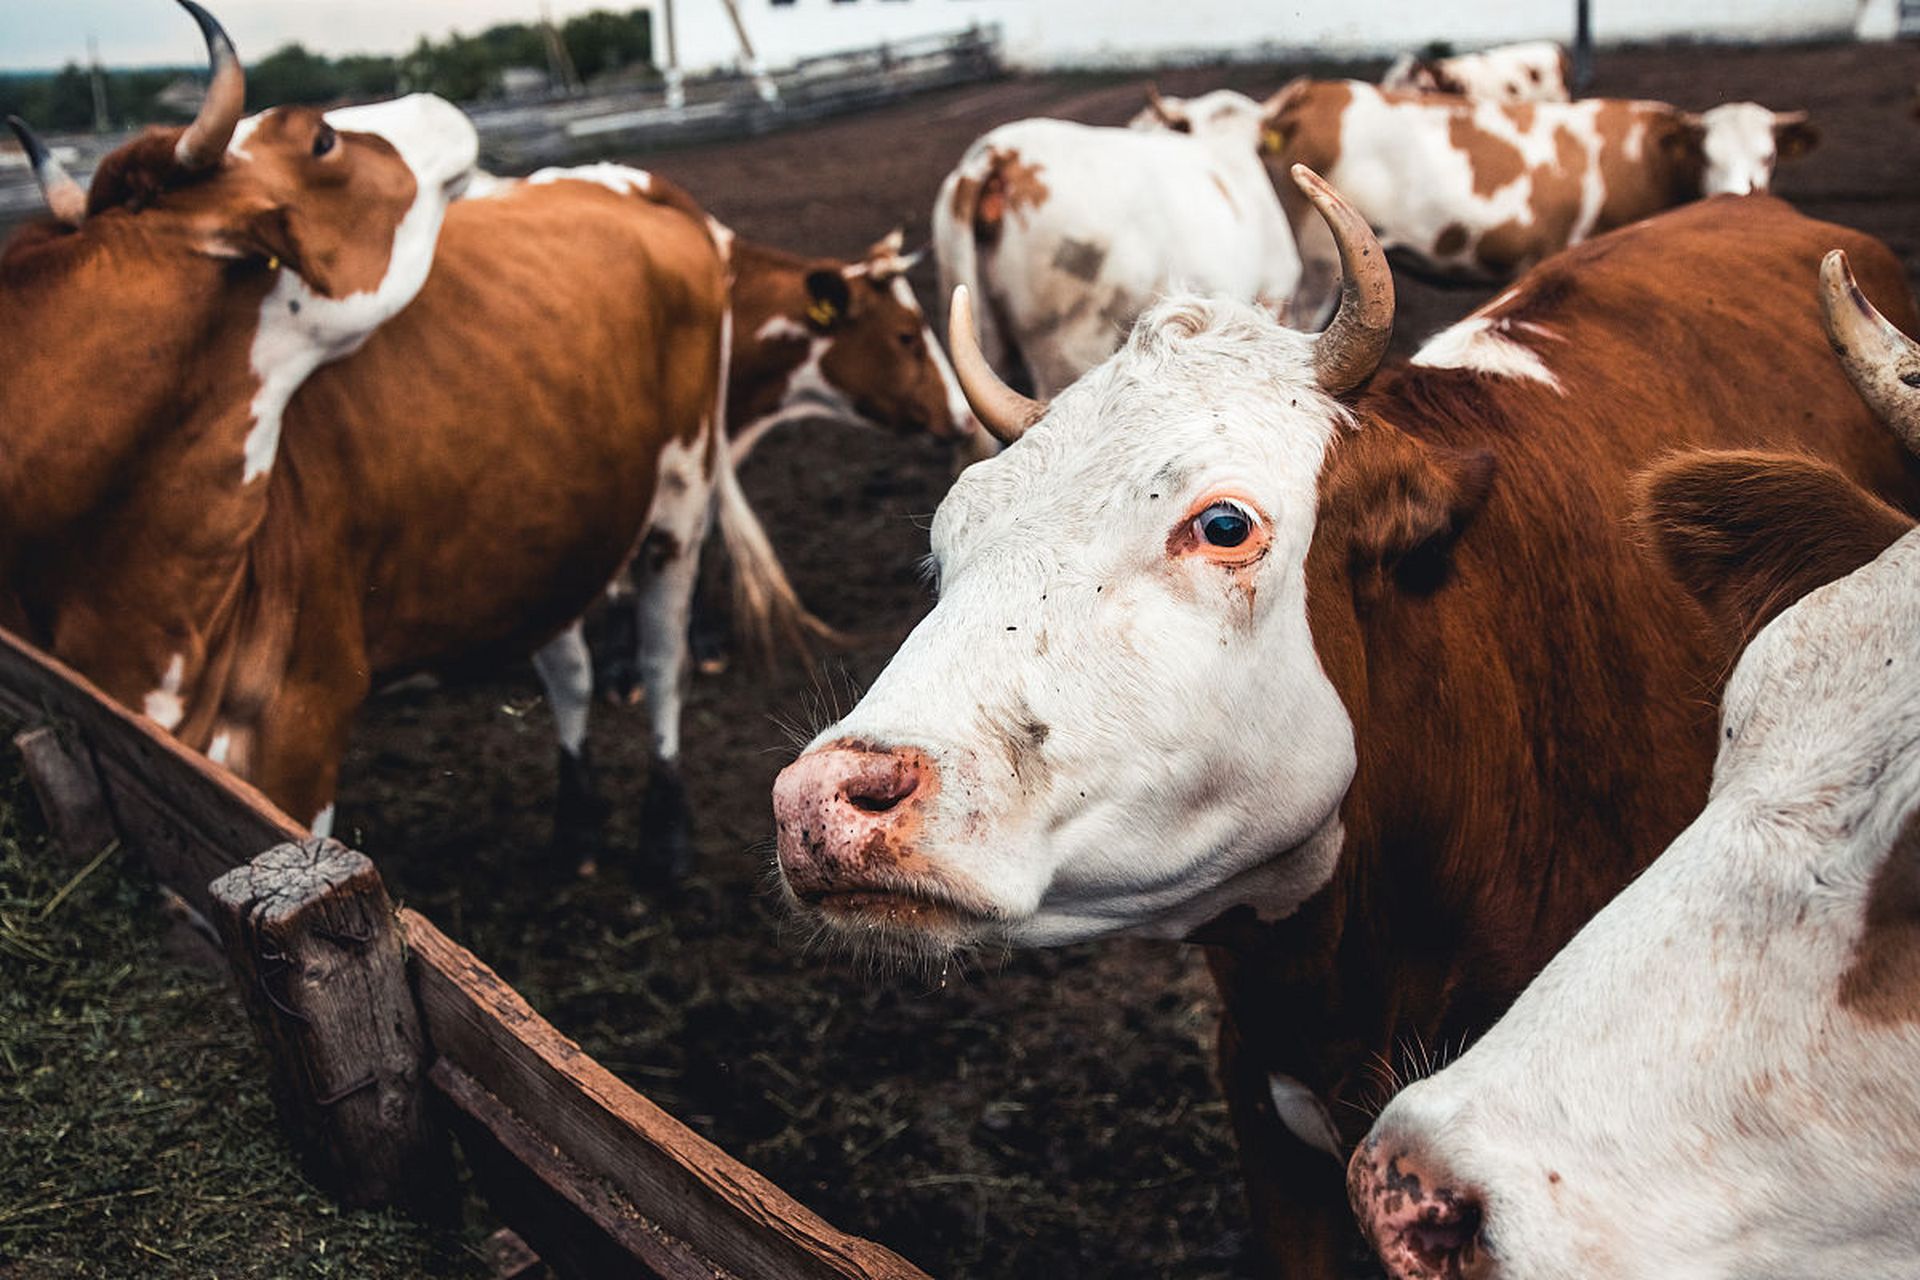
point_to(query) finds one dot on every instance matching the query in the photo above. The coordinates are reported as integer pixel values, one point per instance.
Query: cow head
(1737, 145)
(1223, 115)
(1116, 717)
(846, 338)
(1717, 1076)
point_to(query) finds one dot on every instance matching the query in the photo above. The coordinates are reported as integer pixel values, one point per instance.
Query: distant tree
(291, 74)
(600, 41)
(69, 102)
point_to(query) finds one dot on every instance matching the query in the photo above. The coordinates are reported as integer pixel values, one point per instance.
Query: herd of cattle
(1385, 681)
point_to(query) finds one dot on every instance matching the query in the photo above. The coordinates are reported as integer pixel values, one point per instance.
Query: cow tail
(767, 611)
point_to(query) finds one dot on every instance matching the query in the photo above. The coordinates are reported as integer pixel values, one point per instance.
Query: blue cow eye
(1224, 525)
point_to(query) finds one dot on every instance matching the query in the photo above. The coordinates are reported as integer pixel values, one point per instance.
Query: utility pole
(1582, 45)
(676, 88)
(100, 122)
(560, 68)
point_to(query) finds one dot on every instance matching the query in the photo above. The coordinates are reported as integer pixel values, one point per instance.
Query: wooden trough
(387, 1038)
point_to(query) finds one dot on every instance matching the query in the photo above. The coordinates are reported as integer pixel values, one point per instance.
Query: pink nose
(845, 815)
(1422, 1227)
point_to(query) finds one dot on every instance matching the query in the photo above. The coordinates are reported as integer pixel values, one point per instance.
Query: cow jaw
(1117, 734)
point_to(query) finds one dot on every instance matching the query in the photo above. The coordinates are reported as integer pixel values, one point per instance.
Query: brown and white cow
(1355, 676)
(1720, 1074)
(1483, 190)
(1065, 232)
(1531, 71)
(157, 328)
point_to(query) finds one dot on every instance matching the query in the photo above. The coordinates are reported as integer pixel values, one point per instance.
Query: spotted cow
(1532, 71)
(1354, 675)
(1720, 1074)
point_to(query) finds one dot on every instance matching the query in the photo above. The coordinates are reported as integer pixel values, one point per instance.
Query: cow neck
(771, 340)
(127, 533)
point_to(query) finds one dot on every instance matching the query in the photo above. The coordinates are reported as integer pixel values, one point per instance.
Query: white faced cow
(1532, 71)
(1065, 232)
(1720, 1076)
(1358, 677)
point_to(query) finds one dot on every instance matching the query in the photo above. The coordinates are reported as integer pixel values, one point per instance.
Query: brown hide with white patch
(468, 482)
(1532, 703)
(127, 405)
(841, 322)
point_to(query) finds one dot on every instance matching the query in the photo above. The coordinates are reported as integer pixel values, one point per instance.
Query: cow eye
(324, 140)
(1223, 525)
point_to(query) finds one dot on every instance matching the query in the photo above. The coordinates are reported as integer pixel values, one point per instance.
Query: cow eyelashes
(1225, 530)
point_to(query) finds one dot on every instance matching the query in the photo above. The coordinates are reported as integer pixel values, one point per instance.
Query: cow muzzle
(1419, 1220)
(850, 818)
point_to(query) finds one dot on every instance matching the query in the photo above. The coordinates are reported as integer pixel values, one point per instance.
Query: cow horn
(1882, 363)
(1004, 412)
(1356, 339)
(205, 140)
(64, 197)
(1158, 103)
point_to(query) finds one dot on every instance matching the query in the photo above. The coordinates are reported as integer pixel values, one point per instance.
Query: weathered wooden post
(64, 780)
(309, 931)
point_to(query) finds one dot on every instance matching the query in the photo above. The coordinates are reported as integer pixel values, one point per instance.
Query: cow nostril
(1446, 1232)
(881, 794)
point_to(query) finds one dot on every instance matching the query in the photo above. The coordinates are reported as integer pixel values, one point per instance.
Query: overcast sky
(49, 33)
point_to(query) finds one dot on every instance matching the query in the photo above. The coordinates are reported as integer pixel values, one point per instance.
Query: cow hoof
(579, 814)
(666, 828)
(710, 651)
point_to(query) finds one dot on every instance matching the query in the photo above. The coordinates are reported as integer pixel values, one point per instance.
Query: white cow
(1532, 71)
(1066, 232)
(1720, 1075)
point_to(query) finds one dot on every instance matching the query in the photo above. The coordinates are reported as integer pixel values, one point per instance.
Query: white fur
(618, 178)
(220, 747)
(566, 669)
(322, 824)
(1741, 148)
(1194, 753)
(163, 706)
(300, 329)
(1151, 204)
(808, 392)
(1485, 342)
(1499, 74)
(1685, 1066)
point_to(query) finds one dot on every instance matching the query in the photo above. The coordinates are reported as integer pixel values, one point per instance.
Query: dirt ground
(1037, 1114)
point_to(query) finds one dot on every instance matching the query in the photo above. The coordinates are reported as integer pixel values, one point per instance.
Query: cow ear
(271, 235)
(1410, 503)
(1793, 135)
(1747, 534)
(828, 299)
(1684, 139)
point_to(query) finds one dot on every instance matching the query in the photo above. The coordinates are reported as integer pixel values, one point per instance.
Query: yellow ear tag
(273, 263)
(1270, 140)
(822, 312)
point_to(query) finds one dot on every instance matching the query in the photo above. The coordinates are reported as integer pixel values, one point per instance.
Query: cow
(1531, 71)
(1065, 232)
(1479, 191)
(1720, 1074)
(157, 327)
(1355, 676)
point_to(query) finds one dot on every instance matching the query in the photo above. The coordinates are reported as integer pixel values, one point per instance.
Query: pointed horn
(205, 140)
(1882, 363)
(1002, 411)
(65, 198)
(1356, 340)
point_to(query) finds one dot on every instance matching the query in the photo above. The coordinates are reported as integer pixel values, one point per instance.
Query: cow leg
(617, 669)
(666, 567)
(1296, 1188)
(580, 812)
(712, 610)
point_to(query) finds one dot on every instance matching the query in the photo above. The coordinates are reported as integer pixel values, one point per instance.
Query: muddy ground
(1038, 1114)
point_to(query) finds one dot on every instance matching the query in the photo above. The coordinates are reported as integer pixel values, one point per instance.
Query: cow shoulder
(1747, 534)
(1400, 504)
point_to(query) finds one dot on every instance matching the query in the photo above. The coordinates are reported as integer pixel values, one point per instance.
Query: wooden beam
(309, 933)
(61, 771)
(688, 1189)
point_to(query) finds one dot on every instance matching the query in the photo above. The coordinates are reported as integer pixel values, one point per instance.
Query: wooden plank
(309, 932)
(191, 818)
(60, 770)
(731, 1216)
(582, 1228)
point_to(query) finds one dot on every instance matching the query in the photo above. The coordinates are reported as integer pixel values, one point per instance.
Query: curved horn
(1882, 363)
(1356, 339)
(1004, 412)
(205, 140)
(1158, 103)
(65, 198)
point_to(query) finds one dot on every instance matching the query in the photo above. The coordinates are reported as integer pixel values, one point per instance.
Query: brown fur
(1533, 702)
(1011, 186)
